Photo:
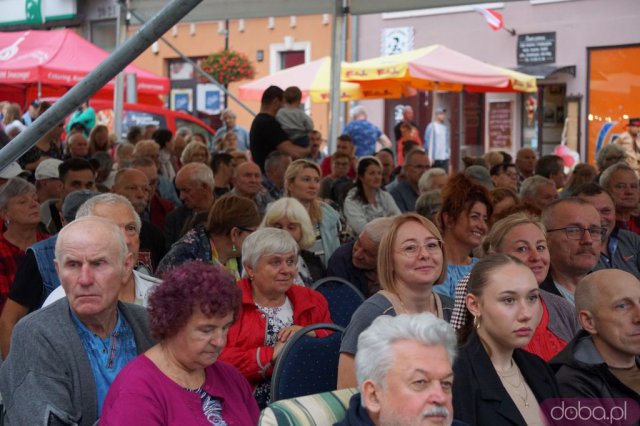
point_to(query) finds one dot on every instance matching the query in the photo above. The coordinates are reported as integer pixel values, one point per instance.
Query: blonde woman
(302, 182)
(289, 215)
(523, 236)
(411, 260)
(195, 152)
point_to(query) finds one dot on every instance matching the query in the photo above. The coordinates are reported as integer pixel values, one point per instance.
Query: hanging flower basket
(227, 66)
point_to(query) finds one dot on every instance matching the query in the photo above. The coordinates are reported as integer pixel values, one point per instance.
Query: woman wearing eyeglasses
(231, 219)
(410, 261)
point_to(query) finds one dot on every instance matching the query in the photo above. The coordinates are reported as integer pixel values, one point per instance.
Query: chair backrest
(307, 364)
(320, 409)
(342, 296)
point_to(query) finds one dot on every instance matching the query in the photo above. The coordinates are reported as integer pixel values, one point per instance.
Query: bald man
(525, 163)
(603, 360)
(134, 185)
(195, 183)
(247, 181)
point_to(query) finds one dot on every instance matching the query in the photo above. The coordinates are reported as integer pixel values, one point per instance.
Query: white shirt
(143, 284)
(441, 146)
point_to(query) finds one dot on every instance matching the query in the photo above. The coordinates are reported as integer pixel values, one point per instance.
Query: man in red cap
(630, 141)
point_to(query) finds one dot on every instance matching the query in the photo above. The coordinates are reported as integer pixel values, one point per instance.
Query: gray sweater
(47, 373)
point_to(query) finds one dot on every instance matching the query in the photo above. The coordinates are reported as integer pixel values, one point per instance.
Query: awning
(545, 71)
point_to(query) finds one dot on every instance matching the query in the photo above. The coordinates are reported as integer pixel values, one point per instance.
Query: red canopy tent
(57, 60)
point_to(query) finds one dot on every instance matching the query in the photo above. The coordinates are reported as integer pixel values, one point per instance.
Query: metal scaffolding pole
(118, 90)
(337, 48)
(197, 68)
(98, 78)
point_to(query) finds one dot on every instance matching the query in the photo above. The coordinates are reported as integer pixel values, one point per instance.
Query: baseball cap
(73, 201)
(634, 122)
(48, 169)
(11, 171)
(440, 110)
(480, 175)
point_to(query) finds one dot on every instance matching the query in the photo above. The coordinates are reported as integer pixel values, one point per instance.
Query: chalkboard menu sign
(499, 125)
(536, 48)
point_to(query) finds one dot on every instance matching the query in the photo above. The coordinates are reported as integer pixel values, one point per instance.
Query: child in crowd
(294, 121)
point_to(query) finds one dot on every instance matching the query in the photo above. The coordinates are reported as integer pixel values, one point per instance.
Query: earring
(233, 248)
(476, 321)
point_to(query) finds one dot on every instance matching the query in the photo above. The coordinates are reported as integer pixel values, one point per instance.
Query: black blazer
(479, 398)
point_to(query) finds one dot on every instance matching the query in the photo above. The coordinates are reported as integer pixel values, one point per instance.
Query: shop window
(553, 116)
(613, 94)
(103, 34)
(530, 121)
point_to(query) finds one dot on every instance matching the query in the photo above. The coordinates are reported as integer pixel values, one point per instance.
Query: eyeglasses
(413, 249)
(577, 232)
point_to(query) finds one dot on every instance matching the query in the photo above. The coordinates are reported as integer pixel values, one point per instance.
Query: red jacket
(245, 347)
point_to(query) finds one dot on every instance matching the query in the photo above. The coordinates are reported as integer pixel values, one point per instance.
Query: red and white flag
(493, 18)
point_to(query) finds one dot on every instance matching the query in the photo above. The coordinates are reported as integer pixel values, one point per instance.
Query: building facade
(585, 54)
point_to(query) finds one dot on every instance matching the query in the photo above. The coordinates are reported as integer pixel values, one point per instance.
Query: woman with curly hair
(464, 221)
(180, 380)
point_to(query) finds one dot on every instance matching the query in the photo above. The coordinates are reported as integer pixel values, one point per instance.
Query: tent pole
(118, 90)
(168, 16)
(337, 54)
(39, 90)
(198, 69)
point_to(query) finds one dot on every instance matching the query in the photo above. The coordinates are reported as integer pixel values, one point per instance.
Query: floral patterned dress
(277, 319)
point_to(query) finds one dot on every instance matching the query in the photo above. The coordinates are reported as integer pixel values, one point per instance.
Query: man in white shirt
(437, 141)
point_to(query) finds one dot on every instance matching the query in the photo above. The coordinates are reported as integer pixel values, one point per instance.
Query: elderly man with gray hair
(622, 182)
(405, 374)
(610, 155)
(538, 191)
(195, 184)
(356, 261)
(432, 180)
(228, 117)
(64, 358)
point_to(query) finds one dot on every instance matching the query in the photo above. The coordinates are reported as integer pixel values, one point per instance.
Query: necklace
(435, 305)
(514, 370)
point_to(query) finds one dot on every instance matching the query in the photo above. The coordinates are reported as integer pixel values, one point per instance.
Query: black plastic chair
(307, 365)
(342, 296)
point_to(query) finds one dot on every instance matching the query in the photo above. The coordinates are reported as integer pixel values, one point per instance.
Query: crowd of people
(156, 280)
